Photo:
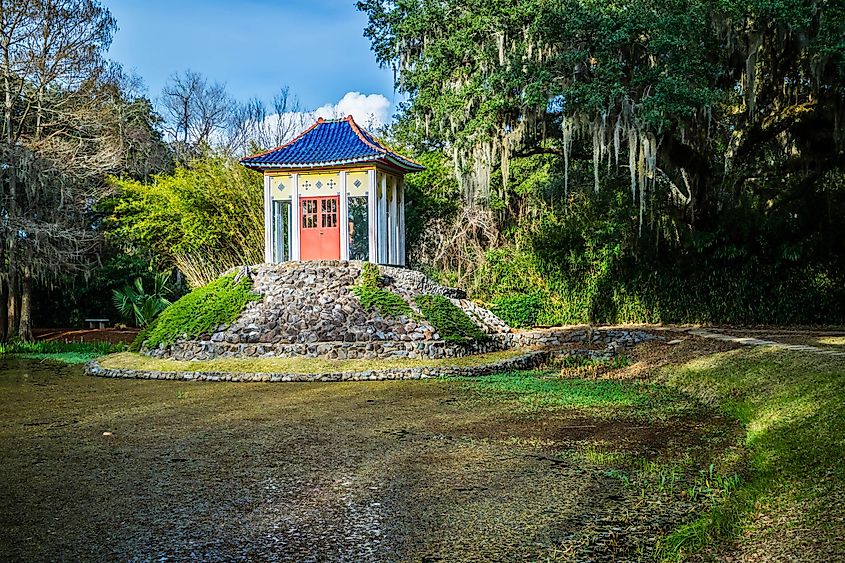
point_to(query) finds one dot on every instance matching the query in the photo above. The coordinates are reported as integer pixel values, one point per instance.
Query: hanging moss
(451, 322)
(199, 312)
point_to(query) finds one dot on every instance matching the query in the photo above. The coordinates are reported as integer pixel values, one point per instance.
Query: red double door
(319, 232)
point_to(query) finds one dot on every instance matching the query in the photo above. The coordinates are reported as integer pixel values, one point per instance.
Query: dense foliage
(68, 118)
(518, 310)
(206, 217)
(199, 312)
(451, 323)
(674, 161)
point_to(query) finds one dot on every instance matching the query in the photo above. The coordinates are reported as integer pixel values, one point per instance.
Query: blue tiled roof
(330, 143)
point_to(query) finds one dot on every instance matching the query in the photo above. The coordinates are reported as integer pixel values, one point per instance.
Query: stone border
(395, 349)
(369, 350)
(526, 361)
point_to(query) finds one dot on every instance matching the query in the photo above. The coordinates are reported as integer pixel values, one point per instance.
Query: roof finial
(320, 120)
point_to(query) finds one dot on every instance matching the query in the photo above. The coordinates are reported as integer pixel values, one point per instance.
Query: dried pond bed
(388, 471)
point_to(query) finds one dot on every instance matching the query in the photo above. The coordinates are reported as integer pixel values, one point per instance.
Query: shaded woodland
(663, 161)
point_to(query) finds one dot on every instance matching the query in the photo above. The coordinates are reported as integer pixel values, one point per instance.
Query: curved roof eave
(342, 135)
(323, 164)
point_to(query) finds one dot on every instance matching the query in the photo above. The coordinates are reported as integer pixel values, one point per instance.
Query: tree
(50, 53)
(196, 112)
(688, 95)
(617, 141)
(66, 123)
(255, 127)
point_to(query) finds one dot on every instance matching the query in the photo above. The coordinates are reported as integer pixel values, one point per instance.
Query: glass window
(388, 230)
(359, 228)
(309, 213)
(328, 215)
(281, 231)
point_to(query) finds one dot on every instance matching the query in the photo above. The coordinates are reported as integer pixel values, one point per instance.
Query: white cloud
(370, 111)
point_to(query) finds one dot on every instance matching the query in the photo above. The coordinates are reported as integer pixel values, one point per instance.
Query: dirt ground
(112, 335)
(98, 469)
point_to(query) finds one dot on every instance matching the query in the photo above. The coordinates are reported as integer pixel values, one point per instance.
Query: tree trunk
(4, 315)
(12, 301)
(25, 331)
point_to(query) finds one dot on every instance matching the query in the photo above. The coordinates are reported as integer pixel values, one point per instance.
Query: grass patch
(371, 293)
(199, 312)
(793, 411)
(130, 360)
(543, 389)
(66, 352)
(452, 324)
(387, 303)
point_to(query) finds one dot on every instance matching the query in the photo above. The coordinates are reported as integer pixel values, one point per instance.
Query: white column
(268, 220)
(372, 217)
(295, 216)
(394, 222)
(343, 217)
(382, 223)
(401, 192)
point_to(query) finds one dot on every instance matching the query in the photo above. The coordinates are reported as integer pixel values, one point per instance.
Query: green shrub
(136, 304)
(519, 311)
(451, 322)
(369, 291)
(199, 312)
(369, 276)
(387, 303)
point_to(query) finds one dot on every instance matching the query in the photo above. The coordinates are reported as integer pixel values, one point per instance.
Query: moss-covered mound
(199, 312)
(332, 309)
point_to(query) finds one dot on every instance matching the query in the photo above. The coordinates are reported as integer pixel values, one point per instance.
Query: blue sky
(315, 47)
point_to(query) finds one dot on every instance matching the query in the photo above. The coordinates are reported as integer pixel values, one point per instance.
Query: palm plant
(136, 305)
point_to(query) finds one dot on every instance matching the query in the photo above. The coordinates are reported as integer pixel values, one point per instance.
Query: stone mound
(308, 309)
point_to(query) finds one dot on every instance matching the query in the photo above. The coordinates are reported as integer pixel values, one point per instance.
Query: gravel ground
(97, 469)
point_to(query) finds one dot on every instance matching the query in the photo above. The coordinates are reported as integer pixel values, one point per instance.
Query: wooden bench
(101, 323)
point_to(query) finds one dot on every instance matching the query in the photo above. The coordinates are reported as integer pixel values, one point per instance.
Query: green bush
(451, 322)
(199, 312)
(369, 276)
(387, 303)
(519, 311)
(369, 291)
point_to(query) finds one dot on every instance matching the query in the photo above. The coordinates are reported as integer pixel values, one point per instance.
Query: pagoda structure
(334, 192)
